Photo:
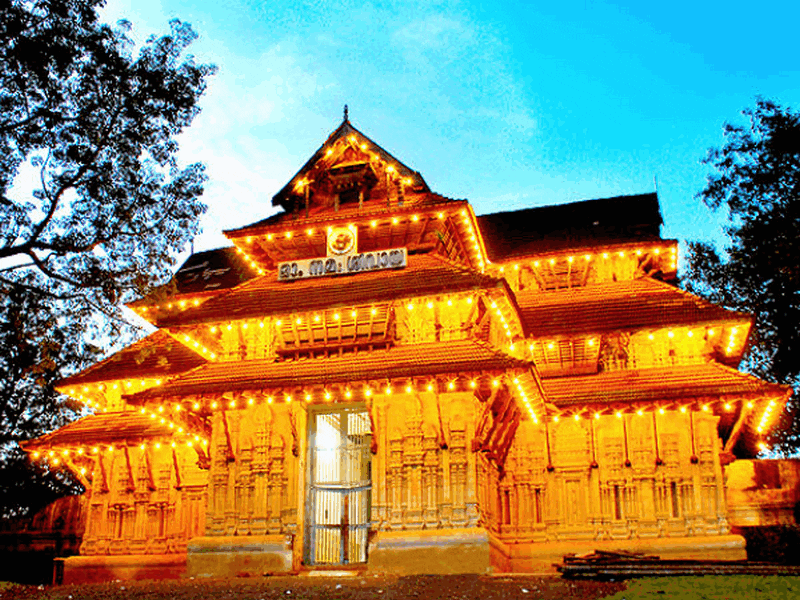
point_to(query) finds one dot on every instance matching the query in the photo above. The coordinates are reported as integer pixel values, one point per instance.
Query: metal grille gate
(340, 487)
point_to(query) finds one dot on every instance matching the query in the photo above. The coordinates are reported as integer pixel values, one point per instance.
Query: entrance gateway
(340, 486)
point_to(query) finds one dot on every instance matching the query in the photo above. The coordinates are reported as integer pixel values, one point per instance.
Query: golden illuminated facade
(377, 376)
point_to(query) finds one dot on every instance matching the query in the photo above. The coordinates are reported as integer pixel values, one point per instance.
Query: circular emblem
(341, 240)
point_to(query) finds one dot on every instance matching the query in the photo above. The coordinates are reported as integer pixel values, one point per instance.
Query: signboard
(396, 258)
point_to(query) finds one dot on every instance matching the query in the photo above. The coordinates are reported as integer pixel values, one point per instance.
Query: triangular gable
(345, 155)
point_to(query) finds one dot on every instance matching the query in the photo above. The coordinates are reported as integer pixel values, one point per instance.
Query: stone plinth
(232, 556)
(433, 551)
(540, 557)
(87, 569)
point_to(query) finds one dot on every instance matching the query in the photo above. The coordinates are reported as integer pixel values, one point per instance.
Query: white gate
(340, 486)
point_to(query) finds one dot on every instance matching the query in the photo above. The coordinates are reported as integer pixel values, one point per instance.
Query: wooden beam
(373, 446)
(103, 474)
(505, 449)
(442, 439)
(230, 456)
(355, 325)
(151, 483)
(131, 481)
(423, 230)
(500, 421)
(293, 427)
(295, 334)
(203, 460)
(737, 428)
(483, 420)
(84, 481)
(506, 402)
(178, 478)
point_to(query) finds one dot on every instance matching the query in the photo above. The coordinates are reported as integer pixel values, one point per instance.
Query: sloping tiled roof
(425, 274)
(212, 270)
(105, 428)
(658, 385)
(204, 273)
(616, 306)
(157, 355)
(575, 225)
(421, 360)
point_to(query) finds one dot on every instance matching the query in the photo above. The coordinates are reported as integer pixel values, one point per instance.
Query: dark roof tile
(575, 225)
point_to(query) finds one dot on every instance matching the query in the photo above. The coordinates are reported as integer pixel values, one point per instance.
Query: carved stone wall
(424, 475)
(149, 501)
(634, 476)
(253, 476)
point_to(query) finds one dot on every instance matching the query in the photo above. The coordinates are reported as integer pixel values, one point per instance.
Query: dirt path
(427, 587)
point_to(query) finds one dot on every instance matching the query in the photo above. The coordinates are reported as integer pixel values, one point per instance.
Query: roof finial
(346, 113)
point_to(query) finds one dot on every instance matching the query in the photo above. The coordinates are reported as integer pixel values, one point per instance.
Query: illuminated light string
(348, 391)
(56, 455)
(766, 416)
(473, 238)
(661, 409)
(504, 324)
(198, 346)
(317, 318)
(412, 304)
(250, 261)
(526, 401)
(130, 384)
(570, 259)
(732, 340)
(373, 224)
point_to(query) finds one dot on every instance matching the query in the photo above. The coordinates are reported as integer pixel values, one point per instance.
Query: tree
(757, 179)
(94, 206)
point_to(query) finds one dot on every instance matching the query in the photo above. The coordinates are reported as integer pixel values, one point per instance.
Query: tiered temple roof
(425, 274)
(350, 182)
(156, 356)
(462, 357)
(618, 306)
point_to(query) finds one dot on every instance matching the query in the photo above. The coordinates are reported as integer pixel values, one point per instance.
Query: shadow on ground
(427, 587)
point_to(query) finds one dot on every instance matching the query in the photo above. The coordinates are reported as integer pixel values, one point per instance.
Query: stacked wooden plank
(626, 565)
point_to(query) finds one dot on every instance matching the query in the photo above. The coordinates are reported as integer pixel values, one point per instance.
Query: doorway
(340, 486)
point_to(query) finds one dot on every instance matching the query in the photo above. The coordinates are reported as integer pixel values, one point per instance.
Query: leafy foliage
(757, 179)
(94, 206)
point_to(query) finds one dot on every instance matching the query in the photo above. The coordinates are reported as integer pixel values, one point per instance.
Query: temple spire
(346, 113)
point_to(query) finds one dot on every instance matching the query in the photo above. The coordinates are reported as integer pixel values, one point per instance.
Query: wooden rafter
(230, 456)
(85, 482)
(131, 481)
(176, 466)
(499, 420)
(293, 427)
(103, 475)
(503, 450)
(423, 230)
(151, 483)
(442, 438)
(744, 412)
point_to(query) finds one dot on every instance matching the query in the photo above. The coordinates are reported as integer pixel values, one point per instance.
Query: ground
(430, 587)
(367, 587)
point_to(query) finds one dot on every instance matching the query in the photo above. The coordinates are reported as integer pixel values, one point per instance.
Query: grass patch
(712, 587)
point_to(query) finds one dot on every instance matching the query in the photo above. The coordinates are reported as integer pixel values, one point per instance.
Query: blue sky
(507, 104)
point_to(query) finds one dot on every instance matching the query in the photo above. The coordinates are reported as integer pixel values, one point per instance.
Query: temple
(376, 378)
